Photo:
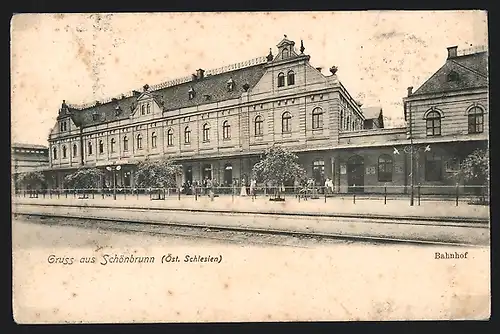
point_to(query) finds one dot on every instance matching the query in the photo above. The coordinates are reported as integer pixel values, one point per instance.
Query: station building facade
(218, 124)
(27, 158)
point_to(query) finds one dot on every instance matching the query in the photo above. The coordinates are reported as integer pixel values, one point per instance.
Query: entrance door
(126, 179)
(207, 171)
(189, 174)
(355, 174)
(228, 175)
(319, 172)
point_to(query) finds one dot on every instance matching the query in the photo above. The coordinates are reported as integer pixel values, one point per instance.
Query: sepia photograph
(250, 167)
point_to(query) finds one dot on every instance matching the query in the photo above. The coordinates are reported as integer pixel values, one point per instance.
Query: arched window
(476, 120)
(285, 54)
(317, 118)
(286, 122)
(112, 144)
(54, 153)
(341, 119)
(64, 152)
(101, 147)
(206, 132)
(281, 80)
(139, 141)
(385, 168)
(170, 137)
(187, 135)
(433, 124)
(153, 140)
(291, 78)
(125, 143)
(75, 150)
(433, 167)
(89, 148)
(143, 109)
(148, 108)
(226, 130)
(348, 122)
(258, 126)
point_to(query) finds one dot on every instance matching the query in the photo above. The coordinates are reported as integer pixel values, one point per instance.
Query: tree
(84, 178)
(157, 174)
(30, 180)
(277, 167)
(474, 170)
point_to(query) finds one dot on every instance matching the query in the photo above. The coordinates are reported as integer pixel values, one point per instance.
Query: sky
(82, 58)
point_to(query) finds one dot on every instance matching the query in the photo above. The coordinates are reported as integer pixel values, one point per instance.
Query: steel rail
(349, 237)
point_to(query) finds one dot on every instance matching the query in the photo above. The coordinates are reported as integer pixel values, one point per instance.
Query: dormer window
(191, 93)
(95, 116)
(452, 76)
(117, 110)
(285, 54)
(230, 85)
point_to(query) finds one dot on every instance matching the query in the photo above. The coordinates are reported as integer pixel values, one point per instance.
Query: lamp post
(413, 150)
(114, 169)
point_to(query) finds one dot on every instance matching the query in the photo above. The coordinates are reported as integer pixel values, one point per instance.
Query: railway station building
(218, 123)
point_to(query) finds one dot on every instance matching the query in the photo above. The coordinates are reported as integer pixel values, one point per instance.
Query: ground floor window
(385, 168)
(433, 167)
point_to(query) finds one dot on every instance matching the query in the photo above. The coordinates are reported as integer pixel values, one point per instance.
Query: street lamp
(413, 150)
(116, 168)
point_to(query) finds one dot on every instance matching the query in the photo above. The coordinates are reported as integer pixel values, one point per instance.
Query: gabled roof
(371, 112)
(176, 97)
(472, 73)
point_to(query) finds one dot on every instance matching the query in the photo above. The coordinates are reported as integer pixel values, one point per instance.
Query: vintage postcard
(234, 167)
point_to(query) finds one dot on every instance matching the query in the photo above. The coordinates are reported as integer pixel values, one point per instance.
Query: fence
(459, 193)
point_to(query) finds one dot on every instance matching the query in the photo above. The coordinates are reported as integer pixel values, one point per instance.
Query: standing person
(243, 191)
(253, 184)
(208, 186)
(327, 186)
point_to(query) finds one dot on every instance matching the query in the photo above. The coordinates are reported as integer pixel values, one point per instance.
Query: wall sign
(370, 170)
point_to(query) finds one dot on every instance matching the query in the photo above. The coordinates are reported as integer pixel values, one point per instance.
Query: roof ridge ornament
(302, 48)
(270, 55)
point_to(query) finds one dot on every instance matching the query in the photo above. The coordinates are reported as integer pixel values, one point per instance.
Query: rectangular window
(476, 124)
(433, 167)
(433, 127)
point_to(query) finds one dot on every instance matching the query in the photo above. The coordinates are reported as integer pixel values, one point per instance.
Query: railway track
(414, 220)
(210, 231)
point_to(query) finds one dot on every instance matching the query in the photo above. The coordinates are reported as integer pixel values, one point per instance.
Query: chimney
(199, 73)
(136, 93)
(319, 68)
(452, 52)
(410, 89)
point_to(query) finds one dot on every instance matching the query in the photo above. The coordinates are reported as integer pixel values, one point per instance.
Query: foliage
(30, 180)
(84, 178)
(157, 173)
(277, 167)
(474, 169)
